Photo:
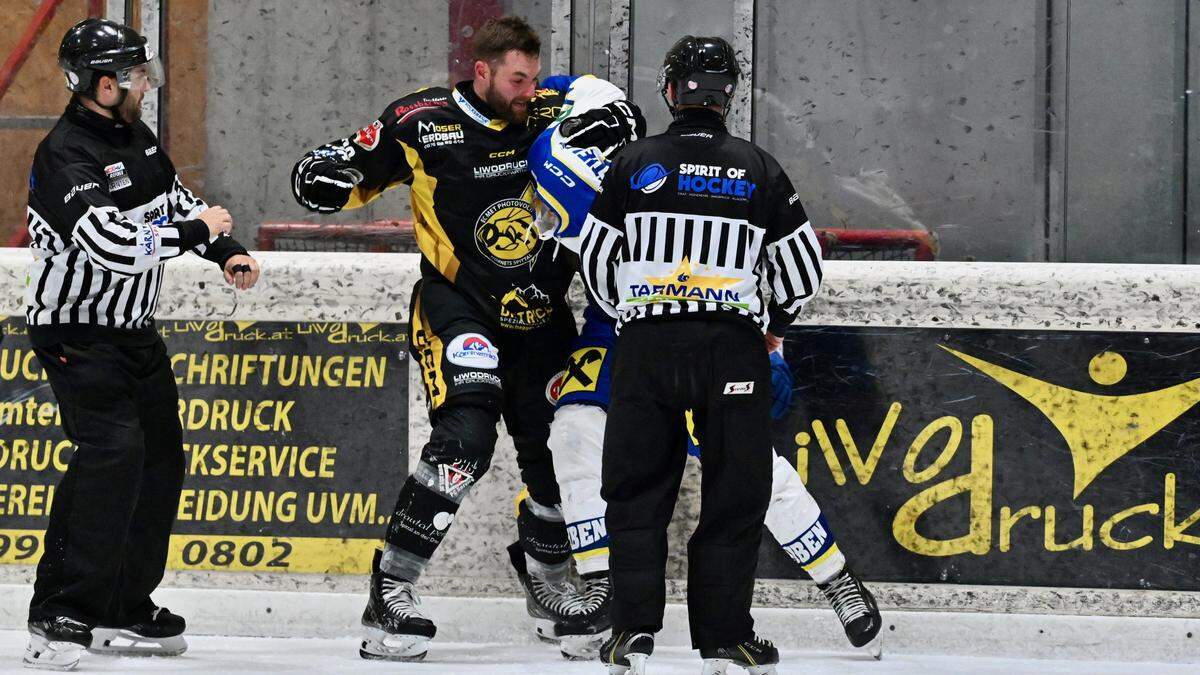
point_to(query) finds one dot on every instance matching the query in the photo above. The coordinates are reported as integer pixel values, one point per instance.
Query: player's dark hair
(499, 36)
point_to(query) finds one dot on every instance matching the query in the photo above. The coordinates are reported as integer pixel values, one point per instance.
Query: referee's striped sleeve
(793, 271)
(599, 255)
(126, 248)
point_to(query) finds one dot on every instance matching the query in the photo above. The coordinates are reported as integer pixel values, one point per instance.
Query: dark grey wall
(913, 115)
(285, 77)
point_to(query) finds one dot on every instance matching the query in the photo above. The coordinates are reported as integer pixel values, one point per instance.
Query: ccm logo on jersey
(739, 388)
(368, 137)
(472, 350)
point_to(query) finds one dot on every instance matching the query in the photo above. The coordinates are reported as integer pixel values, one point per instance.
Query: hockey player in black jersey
(106, 210)
(490, 324)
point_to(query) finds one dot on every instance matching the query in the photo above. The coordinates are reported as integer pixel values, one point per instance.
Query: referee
(676, 247)
(106, 210)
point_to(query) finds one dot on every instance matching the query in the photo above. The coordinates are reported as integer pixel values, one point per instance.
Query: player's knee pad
(459, 450)
(792, 509)
(577, 442)
(542, 532)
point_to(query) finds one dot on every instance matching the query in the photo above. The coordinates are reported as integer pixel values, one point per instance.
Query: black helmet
(704, 70)
(99, 46)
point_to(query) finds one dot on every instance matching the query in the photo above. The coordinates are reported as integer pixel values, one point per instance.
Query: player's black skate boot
(856, 609)
(394, 627)
(557, 609)
(592, 622)
(56, 644)
(159, 633)
(757, 656)
(626, 652)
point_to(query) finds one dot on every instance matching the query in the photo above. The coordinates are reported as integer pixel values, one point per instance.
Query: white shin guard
(577, 444)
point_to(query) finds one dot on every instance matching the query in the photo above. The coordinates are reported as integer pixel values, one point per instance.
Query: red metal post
(8, 72)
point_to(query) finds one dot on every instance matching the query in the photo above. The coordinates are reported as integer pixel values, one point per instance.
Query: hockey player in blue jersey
(586, 126)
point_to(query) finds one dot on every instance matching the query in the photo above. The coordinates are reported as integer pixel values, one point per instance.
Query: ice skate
(756, 656)
(856, 609)
(56, 644)
(394, 627)
(592, 621)
(626, 653)
(161, 634)
(557, 609)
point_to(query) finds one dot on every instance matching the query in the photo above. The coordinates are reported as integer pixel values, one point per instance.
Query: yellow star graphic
(684, 275)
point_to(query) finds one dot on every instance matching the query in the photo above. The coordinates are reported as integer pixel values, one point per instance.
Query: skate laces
(559, 597)
(595, 593)
(401, 598)
(847, 600)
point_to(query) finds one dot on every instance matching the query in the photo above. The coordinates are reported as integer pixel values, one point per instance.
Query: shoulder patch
(368, 137)
(406, 110)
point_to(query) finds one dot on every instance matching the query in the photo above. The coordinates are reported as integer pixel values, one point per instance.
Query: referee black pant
(719, 369)
(106, 542)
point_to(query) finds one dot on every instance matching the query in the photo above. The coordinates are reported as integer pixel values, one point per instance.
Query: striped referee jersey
(106, 209)
(696, 221)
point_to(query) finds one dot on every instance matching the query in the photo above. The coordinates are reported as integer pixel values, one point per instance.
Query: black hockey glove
(606, 128)
(324, 185)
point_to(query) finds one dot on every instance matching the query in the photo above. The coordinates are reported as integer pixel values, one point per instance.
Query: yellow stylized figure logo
(1099, 429)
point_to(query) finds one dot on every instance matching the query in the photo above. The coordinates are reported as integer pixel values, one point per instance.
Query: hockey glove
(606, 128)
(324, 185)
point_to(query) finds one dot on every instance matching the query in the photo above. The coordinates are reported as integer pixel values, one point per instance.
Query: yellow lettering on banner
(354, 508)
(1083, 542)
(864, 470)
(279, 461)
(910, 458)
(238, 415)
(287, 371)
(1106, 528)
(237, 505)
(1008, 520)
(38, 455)
(1173, 531)
(977, 483)
(26, 500)
(802, 441)
(831, 458)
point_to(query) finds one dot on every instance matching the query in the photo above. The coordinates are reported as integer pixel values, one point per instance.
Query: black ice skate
(159, 634)
(626, 652)
(757, 657)
(558, 611)
(592, 620)
(56, 644)
(856, 609)
(394, 627)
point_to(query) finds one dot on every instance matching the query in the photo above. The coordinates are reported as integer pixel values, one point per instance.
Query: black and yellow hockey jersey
(472, 198)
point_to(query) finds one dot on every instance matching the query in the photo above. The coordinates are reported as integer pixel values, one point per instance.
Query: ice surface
(214, 654)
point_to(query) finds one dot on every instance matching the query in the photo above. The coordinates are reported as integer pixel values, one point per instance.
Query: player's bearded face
(130, 109)
(510, 84)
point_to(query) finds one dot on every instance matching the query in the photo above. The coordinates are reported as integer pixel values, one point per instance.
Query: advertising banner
(1041, 458)
(295, 443)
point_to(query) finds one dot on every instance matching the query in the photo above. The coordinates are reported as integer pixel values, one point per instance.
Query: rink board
(1016, 457)
(295, 440)
(892, 318)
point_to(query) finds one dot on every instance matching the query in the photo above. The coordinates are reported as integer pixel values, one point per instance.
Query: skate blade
(45, 655)
(582, 647)
(544, 629)
(120, 642)
(637, 665)
(383, 646)
(719, 667)
(874, 648)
